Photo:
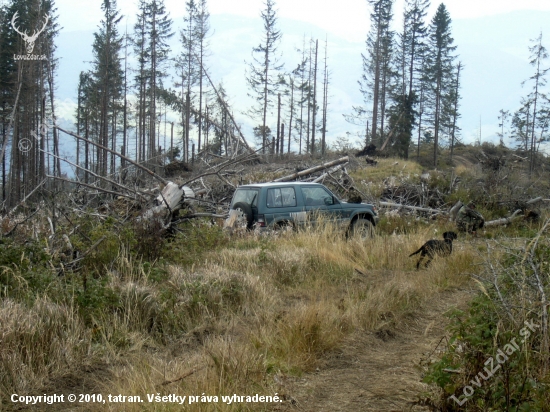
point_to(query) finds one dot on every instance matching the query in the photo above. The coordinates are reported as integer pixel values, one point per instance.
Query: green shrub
(24, 269)
(192, 241)
(511, 289)
(95, 297)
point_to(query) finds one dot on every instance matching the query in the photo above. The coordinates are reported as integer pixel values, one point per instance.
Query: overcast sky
(494, 50)
(345, 18)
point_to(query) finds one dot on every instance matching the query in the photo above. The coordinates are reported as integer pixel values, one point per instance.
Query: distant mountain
(495, 53)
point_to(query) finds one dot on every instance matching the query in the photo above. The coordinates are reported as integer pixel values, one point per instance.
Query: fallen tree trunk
(454, 210)
(504, 220)
(312, 170)
(209, 215)
(252, 151)
(320, 178)
(417, 208)
(535, 200)
(111, 182)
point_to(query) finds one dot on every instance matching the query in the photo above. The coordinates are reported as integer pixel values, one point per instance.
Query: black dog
(435, 247)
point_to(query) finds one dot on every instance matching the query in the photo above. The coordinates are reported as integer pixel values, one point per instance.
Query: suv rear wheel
(247, 218)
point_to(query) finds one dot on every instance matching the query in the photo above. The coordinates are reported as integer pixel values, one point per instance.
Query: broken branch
(312, 170)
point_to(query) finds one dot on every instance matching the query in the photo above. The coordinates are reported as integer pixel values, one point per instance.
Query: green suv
(276, 205)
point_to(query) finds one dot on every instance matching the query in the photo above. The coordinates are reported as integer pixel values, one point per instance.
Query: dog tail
(414, 253)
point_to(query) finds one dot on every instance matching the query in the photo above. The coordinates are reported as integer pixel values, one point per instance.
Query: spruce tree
(376, 66)
(190, 66)
(439, 72)
(107, 77)
(503, 116)
(538, 54)
(326, 78)
(300, 74)
(26, 90)
(453, 102)
(263, 72)
(202, 29)
(141, 51)
(159, 28)
(409, 60)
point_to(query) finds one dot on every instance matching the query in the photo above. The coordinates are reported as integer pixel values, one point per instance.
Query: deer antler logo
(29, 40)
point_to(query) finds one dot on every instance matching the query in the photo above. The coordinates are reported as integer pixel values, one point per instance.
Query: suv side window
(315, 196)
(281, 197)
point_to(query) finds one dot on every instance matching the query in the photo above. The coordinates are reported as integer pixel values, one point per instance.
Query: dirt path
(377, 371)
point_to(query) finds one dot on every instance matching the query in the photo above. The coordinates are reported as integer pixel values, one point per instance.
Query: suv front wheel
(362, 228)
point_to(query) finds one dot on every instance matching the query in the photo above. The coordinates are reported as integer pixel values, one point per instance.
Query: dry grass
(239, 320)
(237, 315)
(272, 308)
(38, 343)
(371, 180)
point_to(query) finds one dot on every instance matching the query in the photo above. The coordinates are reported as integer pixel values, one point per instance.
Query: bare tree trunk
(282, 138)
(187, 123)
(125, 113)
(376, 87)
(57, 163)
(436, 123)
(308, 147)
(139, 166)
(313, 124)
(86, 150)
(153, 102)
(278, 135)
(325, 103)
(201, 55)
(172, 157)
(455, 111)
(291, 113)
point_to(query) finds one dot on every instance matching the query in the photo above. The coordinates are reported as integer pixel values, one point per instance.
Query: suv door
(282, 206)
(320, 202)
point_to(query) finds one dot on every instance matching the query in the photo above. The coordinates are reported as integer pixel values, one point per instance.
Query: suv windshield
(248, 196)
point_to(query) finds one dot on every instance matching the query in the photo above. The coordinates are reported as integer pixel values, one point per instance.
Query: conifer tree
(190, 66)
(263, 72)
(453, 102)
(202, 30)
(302, 91)
(538, 54)
(26, 91)
(326, 76)
(409, 61)
(159, 26)
(439, 72)
(376, 76)
(503, 116)
(142, 54)
(107, 78)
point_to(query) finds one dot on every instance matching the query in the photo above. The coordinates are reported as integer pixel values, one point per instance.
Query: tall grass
(250, 311)
(38, 343)
(270, 307)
